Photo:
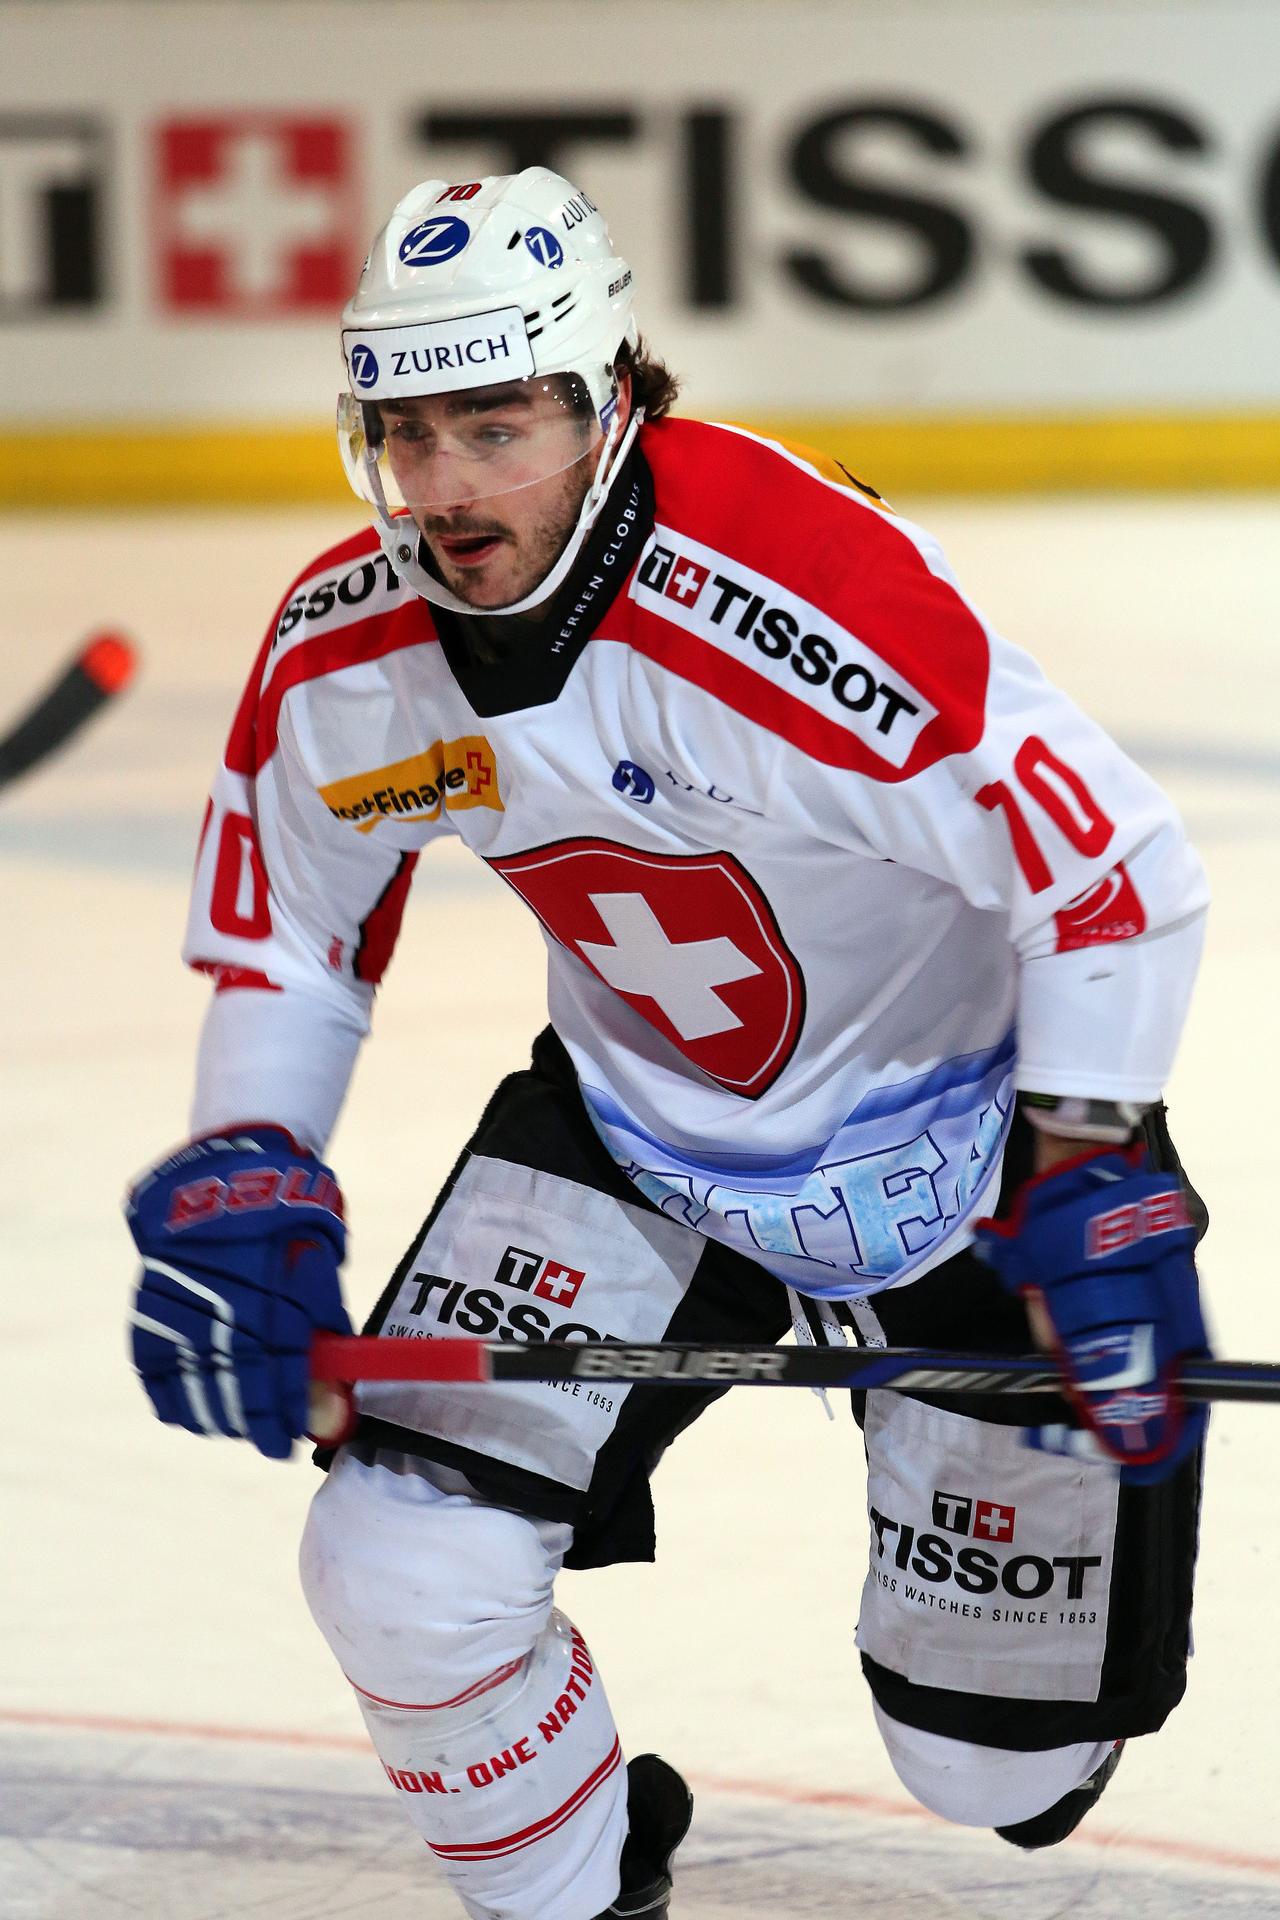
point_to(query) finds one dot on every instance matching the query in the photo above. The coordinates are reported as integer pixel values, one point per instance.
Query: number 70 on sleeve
(1058, 791)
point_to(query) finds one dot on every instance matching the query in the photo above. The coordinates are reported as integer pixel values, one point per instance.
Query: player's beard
(525, 554)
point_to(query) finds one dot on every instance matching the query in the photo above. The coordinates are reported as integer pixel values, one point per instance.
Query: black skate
(659, 1809)
(1064, 1816)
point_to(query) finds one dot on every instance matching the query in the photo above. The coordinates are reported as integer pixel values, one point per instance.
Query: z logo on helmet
(434, 241)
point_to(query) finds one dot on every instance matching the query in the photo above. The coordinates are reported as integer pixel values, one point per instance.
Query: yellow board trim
(44, 466)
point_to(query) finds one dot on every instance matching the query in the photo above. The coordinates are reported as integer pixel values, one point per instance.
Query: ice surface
(117, 1824)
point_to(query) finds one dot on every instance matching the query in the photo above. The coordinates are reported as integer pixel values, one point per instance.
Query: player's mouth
(467, 549)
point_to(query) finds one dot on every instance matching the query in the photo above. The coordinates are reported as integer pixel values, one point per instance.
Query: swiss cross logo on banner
(991, 1521)
(688, 941)
(255, 213)
(1110, 910)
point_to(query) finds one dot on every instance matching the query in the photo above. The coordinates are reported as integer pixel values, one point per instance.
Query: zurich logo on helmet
(364, 366)
(544, 247)
(432, 241)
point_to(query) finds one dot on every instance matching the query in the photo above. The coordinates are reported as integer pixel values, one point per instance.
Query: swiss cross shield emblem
(689, 941)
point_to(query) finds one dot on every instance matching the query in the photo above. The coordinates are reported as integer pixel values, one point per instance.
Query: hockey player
(860, 936)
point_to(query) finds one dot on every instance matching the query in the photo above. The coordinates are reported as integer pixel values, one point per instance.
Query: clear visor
(430, 451)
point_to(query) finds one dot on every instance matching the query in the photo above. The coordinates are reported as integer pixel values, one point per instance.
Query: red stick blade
(109, 661)
(336, 1356)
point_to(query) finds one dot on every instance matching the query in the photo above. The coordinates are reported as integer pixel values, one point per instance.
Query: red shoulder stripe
(751, 501)
(371, 639)
(240, 756)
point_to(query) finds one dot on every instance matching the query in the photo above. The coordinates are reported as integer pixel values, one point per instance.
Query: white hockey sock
(984, 1786)
(518, 1785)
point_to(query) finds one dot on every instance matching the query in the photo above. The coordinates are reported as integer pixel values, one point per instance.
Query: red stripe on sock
(527, 1836)
(490, 1681)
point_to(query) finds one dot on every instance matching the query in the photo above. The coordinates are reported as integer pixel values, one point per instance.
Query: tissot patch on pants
(990, 1565)
(524, 1256)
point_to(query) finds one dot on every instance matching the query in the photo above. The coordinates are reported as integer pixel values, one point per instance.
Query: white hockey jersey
(825, 868)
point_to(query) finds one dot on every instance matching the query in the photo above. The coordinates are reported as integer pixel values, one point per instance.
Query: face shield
(447, 430)
(481, 448)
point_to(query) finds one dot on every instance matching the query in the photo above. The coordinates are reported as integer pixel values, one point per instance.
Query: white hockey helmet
(510, 279)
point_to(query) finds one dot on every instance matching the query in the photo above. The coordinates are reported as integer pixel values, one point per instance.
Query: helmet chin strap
(401, 547)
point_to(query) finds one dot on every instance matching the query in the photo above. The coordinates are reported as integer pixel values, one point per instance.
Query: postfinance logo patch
(451, 773)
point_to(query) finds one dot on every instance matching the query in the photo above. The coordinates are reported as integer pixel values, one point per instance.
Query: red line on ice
(877, 1805)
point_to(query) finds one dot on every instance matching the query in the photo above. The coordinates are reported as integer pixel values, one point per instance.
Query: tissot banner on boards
(919, 208)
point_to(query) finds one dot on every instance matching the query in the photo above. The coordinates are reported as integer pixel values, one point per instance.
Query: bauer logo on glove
(1122, 1227)
(241, 1237)
(1105, 1242)
(250, 1190)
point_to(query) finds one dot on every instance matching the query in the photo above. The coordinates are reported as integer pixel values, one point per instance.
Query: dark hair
(653, 385)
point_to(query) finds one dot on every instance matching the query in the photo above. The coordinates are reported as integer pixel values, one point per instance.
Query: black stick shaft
(615, 1363)
(907, 1370)
(99, 671)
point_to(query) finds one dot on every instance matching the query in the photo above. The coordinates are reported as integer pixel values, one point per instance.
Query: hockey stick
(335, 1357)
(102, 668)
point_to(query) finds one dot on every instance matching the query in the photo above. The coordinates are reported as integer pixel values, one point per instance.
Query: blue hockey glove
(1105, 1242)
(241, 1236)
